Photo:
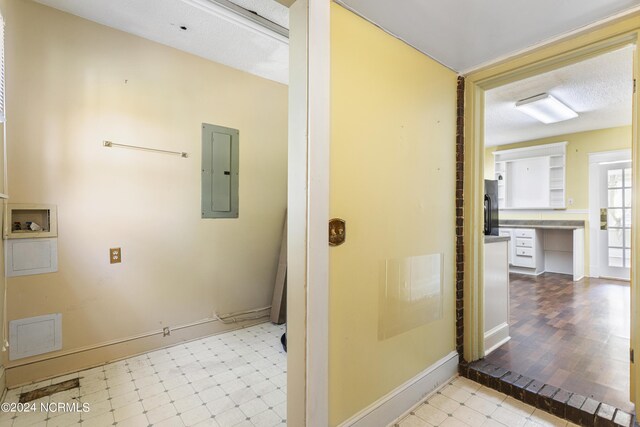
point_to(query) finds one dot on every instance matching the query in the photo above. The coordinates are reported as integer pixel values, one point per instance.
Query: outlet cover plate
(115, 255)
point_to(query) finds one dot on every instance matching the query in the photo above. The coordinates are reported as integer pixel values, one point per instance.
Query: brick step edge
(574, 407)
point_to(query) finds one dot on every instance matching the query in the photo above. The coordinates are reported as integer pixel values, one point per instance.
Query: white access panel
(35, 335)
(24, 257)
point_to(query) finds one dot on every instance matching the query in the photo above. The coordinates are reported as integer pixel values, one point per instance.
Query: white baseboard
(399, 402)
(524, 270)
(613, 278)
(495, 337)
(52, 365)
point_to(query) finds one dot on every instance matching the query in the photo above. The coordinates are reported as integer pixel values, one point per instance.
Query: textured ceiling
(223, 40)
(271, 10)
(464, 34)
(599, 90)
(459, 33)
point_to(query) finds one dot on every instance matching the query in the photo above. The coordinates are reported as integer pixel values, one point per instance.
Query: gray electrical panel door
(219, 171)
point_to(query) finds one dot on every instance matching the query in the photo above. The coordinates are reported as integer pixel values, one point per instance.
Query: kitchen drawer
(524, 242)
(523, 261)
(525, 232)
(526, 252)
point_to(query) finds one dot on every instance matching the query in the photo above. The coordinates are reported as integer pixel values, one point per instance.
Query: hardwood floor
(573, 335)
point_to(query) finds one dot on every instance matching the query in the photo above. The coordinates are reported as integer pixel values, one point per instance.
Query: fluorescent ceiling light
(545, 108)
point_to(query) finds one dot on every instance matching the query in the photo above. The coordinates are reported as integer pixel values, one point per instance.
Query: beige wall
(393, 118)
(577, 169)
(71, 85)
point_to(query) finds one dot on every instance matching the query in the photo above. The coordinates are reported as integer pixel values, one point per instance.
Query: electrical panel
(220, 161)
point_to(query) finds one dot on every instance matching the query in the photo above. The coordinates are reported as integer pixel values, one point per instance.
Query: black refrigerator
(490, 207)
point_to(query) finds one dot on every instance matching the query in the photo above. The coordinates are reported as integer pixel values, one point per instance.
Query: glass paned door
(616, 236)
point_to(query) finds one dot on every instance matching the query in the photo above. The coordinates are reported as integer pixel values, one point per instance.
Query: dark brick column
(460, 217)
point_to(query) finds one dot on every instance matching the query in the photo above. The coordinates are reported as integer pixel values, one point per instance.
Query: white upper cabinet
(532, 177)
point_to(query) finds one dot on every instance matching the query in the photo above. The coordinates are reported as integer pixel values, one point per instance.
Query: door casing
(308, 215)
(595, 159)
(596, 40)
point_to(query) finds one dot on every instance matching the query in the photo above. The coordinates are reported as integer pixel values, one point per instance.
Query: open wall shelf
(532, 177)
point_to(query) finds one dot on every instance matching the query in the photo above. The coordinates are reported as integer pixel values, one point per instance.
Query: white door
(615, 220)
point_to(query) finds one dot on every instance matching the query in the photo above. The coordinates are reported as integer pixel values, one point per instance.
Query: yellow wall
(578, 148)
(577, 169)
(393, 181)
(72, 84)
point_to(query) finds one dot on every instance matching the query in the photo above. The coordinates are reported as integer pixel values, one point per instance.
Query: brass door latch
(337, 231)
(603, 219)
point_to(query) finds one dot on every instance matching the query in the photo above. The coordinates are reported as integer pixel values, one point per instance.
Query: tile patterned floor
(233, 379)
(464, 403)
(573, 335)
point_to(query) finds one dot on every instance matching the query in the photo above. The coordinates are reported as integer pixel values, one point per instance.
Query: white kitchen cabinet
(508, 232)
(546, 246)
(496, 295)
(528, 251)
(531, 177)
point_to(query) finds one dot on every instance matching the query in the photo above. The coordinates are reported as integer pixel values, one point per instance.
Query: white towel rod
(155, 150)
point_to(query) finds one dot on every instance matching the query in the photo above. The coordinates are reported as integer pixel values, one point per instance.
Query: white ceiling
(599, 90)
(460, 34)
(221, 39)
(270, 9)
(463, 34)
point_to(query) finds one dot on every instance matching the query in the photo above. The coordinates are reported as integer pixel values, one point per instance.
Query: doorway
(568, 321)
(610, 231)
(614, 237)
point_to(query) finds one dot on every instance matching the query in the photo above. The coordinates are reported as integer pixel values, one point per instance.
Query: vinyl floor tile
(196, 383)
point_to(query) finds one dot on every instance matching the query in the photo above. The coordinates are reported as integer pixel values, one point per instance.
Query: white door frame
(594, 202)
(567, 52)
(308, 215)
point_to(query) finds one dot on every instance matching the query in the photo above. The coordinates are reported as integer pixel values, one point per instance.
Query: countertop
(545, 223)
(494, 239)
